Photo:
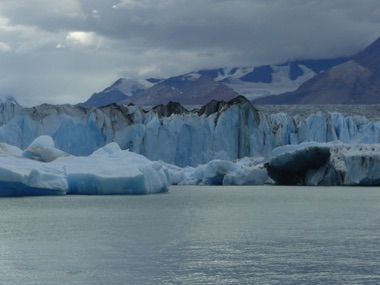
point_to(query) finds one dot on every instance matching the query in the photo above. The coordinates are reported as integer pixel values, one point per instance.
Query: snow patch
(281, 83)
(193, 76)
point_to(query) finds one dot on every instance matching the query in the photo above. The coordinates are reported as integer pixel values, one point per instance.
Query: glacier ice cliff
(217, 131)
(221, 143)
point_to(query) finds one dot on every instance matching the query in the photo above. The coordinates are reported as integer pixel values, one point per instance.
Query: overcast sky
(61, 51)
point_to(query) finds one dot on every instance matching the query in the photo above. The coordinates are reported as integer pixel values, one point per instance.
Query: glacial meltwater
(194, 235)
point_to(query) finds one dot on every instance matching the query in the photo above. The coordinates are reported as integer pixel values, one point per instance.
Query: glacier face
(219, 130)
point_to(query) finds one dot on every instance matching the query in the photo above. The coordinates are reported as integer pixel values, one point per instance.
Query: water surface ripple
(194, 235)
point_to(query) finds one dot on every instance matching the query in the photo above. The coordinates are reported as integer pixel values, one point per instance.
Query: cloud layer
(63, 51)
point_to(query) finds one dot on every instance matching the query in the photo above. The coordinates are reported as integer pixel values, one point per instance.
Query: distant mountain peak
(189, 89)
(370, 56)
(120, 90)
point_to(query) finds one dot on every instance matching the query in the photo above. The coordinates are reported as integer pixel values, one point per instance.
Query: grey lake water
(194, 235)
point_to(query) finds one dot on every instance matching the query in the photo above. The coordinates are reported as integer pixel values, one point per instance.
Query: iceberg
(111, 170)
(246, 171)
(291, 163)
(329, 164)
(44, 170)
(21, 176)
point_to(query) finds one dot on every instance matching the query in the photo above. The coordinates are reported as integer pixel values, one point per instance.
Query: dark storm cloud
(89, 43)
(254, 30)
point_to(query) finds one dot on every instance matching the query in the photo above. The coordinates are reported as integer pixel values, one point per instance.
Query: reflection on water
(194, 235)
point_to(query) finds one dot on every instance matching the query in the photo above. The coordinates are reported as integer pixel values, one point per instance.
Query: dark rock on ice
(170, 109)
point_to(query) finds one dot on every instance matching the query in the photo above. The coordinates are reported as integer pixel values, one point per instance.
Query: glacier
(219, 130)
(42, 169)
(221, 143)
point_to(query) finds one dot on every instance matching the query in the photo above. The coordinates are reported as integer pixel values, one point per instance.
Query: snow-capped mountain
(199, 87)
(351, 80)
(266, 80)
(355, 81)
(118, 91)
(188, 89)
(219, 130)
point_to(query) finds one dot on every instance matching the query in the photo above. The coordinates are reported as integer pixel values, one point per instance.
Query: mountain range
(344, 80)
(354, 81)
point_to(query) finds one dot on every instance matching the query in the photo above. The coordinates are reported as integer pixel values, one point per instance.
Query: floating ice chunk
(326, 164)
(249, 171)
(216, 170)
(25, 177)
(111, 170)
(291, 163)
(187, 175)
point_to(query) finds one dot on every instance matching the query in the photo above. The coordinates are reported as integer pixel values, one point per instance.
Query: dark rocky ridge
(169, 109)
